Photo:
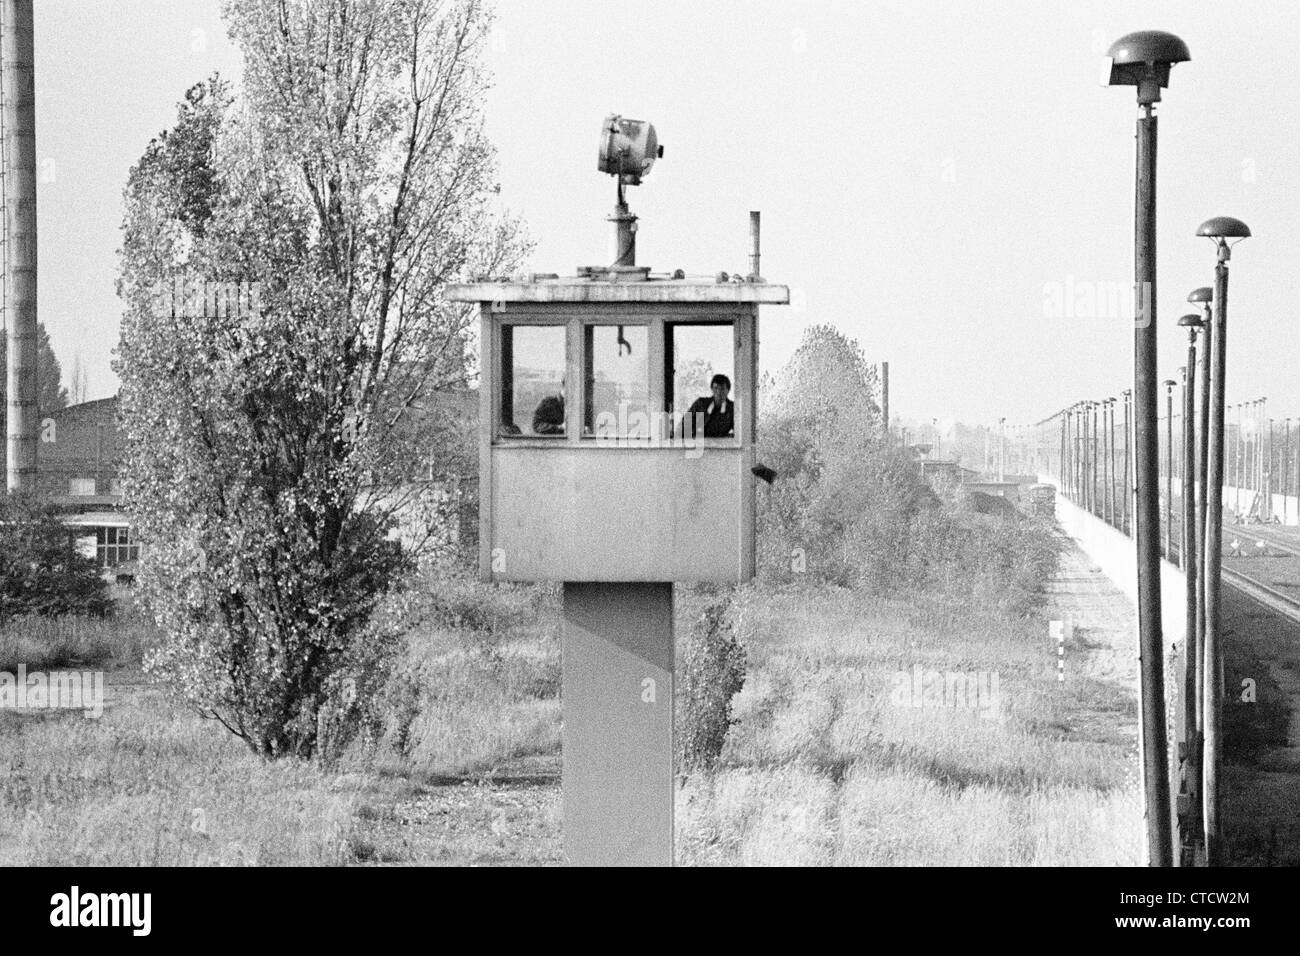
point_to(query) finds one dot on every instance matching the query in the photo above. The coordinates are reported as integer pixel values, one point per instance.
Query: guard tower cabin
(591, 468)
(617, 423)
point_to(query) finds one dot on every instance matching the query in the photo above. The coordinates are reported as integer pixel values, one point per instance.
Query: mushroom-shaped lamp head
(1143, 60)
(1223, 227)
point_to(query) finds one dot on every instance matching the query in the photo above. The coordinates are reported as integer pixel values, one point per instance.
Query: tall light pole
(1144, 60)
(1093, 450)
(1190, 818)
(884, 400)
(1076, 454)
(1220, 230)
(1234, 474)
(1286, 470)
(1108, 411)
(1269, 454)
(1002, 449)
(1169, 468)
(1202, 297)
(1128, 467)
(1261, 475)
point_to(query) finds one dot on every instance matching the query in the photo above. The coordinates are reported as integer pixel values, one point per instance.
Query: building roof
(641, 291)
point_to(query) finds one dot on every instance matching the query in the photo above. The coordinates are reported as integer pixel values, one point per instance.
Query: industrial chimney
(18, 141)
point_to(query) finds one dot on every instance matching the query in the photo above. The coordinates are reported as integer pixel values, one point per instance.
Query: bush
(713, 672)
(41, 571)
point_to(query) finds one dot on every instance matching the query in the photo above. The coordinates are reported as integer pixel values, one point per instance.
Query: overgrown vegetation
(278, 447)
(712, 673)
(851, 509)
(832, 762)
(41, 571)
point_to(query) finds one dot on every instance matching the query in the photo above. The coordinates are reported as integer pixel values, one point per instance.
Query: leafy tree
(841, 506)
(51, 395)
(269, 448)
(41, 571)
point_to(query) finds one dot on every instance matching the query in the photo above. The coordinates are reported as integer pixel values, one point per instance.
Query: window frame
(122, 549)
(644, 321)
(573, 317)
(500, 377)
(670, 374)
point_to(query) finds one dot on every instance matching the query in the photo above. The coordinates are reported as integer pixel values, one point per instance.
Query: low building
(81, 452)
(77, 467)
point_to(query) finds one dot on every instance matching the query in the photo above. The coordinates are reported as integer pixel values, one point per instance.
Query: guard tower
(609, 461)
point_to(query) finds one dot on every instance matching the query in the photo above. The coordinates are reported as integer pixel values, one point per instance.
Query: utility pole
(884, 398)
(1189, 820)
(18, 120)
(1128, 483)
(1261, 479)
(1286, 471)
(1144, 60)
(1169, 469)
(1002, 449)
(1220, 230)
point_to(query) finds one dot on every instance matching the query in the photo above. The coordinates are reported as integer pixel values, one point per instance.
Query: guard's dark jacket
(719, 422)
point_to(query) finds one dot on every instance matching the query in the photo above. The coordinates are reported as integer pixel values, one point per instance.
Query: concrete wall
(1238, 499)
(1114, 553)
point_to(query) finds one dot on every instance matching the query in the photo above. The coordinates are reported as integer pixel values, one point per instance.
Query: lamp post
(1269, 454)
(1219, 230)
(1002, 449)
(1092, 457)
(1060, 453)
(1240, 482)
(1081, 458)
(1169, 468)
(1286, 470)
(1144, 60)
(1190, 818)
(1111, 516)
(1261, 473)
(1202, 297)
(1128, 469)
(1067, 451)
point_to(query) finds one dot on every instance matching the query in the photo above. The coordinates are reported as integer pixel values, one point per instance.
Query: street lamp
(1128, 467)
(1093, 450)
(1268, 472)
(1202, 296)
(1169, 468)
(1261, 476)
(1002, 449)
(1193, 485)
(1220, 231)
(1144, 60)
(1108, 406)
(1286, 471)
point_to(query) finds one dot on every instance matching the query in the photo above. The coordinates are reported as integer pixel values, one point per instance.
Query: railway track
(1262, 593)
(1251, 531)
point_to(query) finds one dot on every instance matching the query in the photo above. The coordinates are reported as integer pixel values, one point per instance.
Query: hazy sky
(948, 183)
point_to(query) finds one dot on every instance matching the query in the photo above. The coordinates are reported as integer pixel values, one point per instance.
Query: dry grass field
(829, 765)
(826, 764)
